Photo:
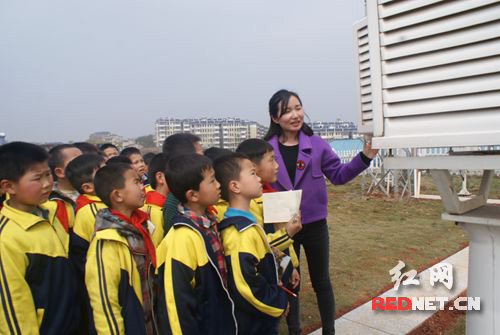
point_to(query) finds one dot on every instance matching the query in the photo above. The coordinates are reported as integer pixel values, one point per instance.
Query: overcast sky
(70, 68)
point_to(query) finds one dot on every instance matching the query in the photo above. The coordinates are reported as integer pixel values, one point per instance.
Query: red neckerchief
(212, 210)
(62, 214)
(155, 198)
(81, 201)
(267, 188)
(137, 219)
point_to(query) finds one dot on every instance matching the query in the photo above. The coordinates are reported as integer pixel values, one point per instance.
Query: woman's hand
(367, 148)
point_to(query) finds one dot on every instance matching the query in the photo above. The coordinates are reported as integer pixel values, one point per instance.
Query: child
(63, 193)
(174, 145)
(156, 197)
(261, 154)
(119, 159)
(38, 284)
(137, 160)
(252, 271)
(191, 270)
(121, 256)
(86, 147)
(2, 198)
(148, 156)
(108, 150)
(213, 153)
(80, 172)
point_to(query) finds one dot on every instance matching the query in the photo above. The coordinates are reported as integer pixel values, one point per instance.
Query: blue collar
(237, 212)
(237, 218)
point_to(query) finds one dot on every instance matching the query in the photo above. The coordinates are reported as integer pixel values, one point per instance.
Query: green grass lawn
(369, 235)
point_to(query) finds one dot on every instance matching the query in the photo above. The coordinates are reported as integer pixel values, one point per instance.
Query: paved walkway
(363, 320)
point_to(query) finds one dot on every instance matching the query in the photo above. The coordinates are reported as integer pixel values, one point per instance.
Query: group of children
(98, 241)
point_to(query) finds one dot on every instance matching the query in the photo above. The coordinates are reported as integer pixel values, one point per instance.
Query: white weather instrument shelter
(428, 75)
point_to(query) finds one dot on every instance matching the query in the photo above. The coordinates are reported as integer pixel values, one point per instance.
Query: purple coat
(315, 160)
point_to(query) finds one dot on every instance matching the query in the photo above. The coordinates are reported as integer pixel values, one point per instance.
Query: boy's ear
(7, 186)
(192, 196)
(116, 196)
(160, 178)
(59, 172)
(88, 188)
(234, 187)
(163, 181)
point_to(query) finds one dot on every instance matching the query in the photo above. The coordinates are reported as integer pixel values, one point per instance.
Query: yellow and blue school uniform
(277, 239)
(83, 230)
(38, 282)
(192, 293)
(252, 274)
(116, 275)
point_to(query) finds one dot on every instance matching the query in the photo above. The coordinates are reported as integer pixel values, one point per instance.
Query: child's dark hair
(278, 105)
(214, 153)
(148, 157)
(18, 157)
(119, 159)
(105, 146)
(227, 169)
(110, 178)
(86, 147)
(56, 157)
(185, 172)
(81, 169)
(127, 152)
(180, 144)
(254, 149)
(158, 164)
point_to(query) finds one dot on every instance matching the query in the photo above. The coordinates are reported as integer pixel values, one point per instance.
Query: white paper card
(281, 206)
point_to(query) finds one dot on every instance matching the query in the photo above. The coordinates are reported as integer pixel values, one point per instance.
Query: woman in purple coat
(304, 160)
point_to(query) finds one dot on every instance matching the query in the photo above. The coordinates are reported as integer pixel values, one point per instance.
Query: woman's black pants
(315, 240)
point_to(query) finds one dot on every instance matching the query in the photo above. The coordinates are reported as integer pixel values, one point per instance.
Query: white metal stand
(482, 223)
(483, 227)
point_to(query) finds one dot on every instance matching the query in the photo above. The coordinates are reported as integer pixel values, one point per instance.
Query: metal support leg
(451, 201)
(483, 227)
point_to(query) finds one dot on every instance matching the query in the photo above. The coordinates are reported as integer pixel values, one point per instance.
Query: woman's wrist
(367, 160)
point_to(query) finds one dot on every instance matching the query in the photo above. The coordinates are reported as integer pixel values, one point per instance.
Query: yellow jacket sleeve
(156, 217)
(85, 221)
(102, 278)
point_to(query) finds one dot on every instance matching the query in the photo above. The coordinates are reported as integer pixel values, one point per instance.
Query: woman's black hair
(278, 105)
